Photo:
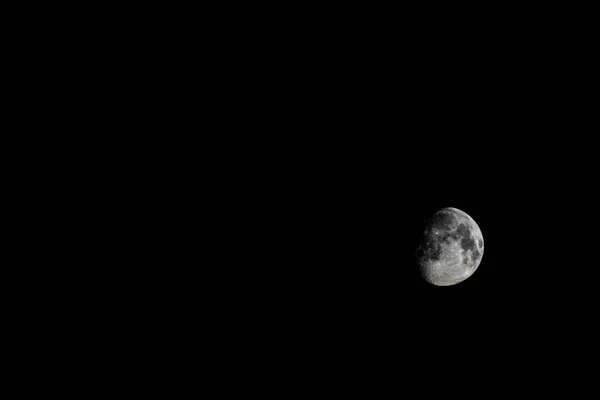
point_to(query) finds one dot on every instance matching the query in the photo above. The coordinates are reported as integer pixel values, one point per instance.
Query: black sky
(354, 154)
(346, 141)
(352, 188)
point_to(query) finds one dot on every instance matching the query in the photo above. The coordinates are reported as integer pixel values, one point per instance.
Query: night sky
(351, 159)
(349, 145)
(340, 271)
(354, 205)
(355, 153)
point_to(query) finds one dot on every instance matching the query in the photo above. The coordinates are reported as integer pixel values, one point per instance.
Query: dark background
(335, 146)
(336, 213)
(349, 168)
(348, 150)
(324, 145)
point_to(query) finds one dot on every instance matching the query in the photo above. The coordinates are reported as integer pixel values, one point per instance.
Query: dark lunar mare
(463, 231)
(467, 244)
(442, 221)
(448, 237)
(435, 252)
(476, 256)
(480, 243)
(429, 249)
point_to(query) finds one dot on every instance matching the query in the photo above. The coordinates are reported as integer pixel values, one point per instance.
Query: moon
(451, 247)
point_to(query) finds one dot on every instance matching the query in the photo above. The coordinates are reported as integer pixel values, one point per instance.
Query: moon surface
(451, 247)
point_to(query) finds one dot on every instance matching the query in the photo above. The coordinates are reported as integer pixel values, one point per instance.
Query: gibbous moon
(451, 247)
